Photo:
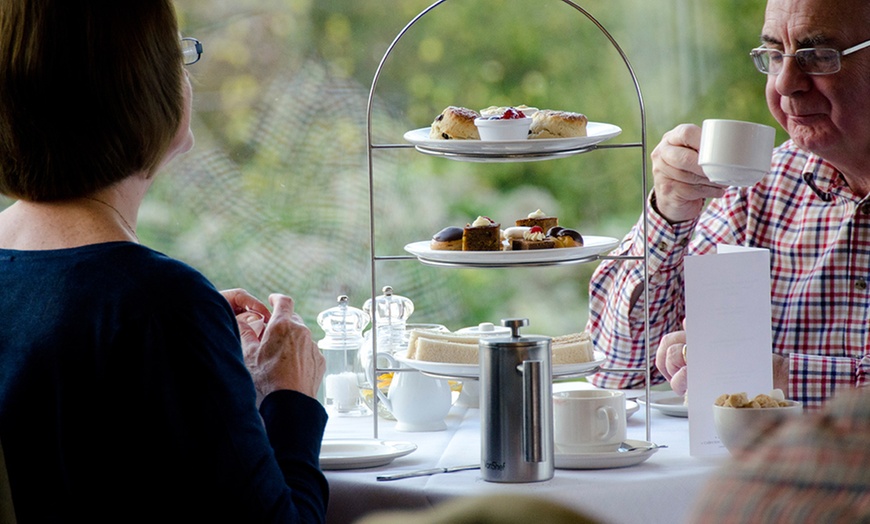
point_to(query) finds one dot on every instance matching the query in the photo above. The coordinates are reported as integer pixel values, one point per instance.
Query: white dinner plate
(448, 369)
(361, 453)
(607, 460)
(592, 247)
(596, 132)
(668, 403)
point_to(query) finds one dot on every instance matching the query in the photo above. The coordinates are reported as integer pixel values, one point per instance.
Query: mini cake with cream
(484, 234)
(533, 238)
(512, 233)
(540, 219)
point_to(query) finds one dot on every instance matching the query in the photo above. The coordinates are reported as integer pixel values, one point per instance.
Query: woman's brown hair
(90, 93)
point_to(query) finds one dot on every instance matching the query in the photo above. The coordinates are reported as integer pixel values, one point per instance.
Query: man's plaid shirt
(818, 234)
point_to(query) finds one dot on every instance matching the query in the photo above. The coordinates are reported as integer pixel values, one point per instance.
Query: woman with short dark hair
(124, 391)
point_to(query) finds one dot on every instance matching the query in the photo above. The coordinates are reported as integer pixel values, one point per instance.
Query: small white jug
(419, 402)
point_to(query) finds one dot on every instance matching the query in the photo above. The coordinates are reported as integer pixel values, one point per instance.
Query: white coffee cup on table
(588, 421)
(735, 153)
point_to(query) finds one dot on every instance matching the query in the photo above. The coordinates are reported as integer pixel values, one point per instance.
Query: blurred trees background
(275, 195)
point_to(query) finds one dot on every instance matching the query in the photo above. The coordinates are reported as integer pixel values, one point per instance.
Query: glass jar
(343, 326)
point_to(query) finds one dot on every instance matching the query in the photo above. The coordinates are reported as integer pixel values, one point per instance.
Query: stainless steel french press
(516, 408)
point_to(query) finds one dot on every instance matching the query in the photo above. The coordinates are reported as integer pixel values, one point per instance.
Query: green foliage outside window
(275, 195)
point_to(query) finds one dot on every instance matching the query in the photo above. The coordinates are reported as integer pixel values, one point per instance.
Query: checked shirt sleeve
(616, 307)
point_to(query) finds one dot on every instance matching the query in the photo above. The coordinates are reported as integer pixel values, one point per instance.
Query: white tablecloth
(660, 489)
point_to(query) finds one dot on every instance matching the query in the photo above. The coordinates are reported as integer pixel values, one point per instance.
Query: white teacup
(735, 153)
(588, 421)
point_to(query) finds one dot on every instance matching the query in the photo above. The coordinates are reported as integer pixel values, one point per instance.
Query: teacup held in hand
(735, 153)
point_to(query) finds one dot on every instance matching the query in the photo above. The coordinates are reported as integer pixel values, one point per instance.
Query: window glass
(274, 197)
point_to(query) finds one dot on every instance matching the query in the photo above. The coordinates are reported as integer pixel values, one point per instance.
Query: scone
(548, 123)
(455, 123)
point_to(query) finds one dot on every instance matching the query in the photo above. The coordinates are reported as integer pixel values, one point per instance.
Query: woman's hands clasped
(278, 347)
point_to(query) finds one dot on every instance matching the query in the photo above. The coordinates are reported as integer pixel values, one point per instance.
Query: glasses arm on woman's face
(191, 50)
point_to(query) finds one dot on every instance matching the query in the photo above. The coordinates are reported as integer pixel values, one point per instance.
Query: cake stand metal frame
(471, 157)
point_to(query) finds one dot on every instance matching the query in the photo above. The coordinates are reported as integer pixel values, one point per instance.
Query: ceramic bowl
(503, 129)
(738, 427)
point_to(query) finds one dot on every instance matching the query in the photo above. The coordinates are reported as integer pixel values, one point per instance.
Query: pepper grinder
(389, 313)
(343, 326)
(516, 409)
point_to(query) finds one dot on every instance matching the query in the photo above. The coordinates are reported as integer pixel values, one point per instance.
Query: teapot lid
(485, 329)
(515, 339)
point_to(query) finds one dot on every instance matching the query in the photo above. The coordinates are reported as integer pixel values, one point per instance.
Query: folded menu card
(728, 335)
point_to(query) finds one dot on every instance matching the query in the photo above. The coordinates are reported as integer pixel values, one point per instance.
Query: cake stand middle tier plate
(592, 247)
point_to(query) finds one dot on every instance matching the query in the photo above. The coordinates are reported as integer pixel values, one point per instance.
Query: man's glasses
(812, 60)
(191, 50)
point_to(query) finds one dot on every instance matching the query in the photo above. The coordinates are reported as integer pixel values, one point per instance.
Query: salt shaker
(343, 326)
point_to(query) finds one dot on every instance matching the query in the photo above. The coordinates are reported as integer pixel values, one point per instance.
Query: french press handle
(533, 448)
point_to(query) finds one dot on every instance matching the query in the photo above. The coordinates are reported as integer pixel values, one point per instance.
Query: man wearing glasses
(812, 211)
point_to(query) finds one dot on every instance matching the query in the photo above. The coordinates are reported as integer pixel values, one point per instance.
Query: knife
(425, 472)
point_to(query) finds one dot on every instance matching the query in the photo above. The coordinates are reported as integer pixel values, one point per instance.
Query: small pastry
(533, 239)
(512, 233)
(483, 234)
(565, 237)
(540, 219)
(448, 239)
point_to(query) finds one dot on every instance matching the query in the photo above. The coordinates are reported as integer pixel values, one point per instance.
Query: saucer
(631, 407)
(667, 403)
(611, 459)
(361, 453)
